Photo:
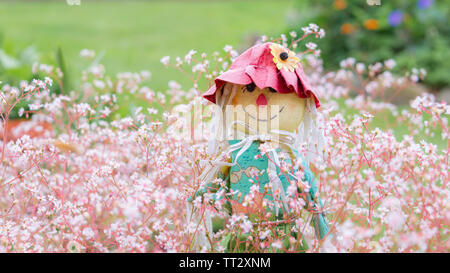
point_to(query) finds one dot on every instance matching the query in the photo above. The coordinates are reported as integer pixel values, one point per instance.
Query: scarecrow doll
(265, 112)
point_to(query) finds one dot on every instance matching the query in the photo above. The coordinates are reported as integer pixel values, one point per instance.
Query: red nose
(261, 100)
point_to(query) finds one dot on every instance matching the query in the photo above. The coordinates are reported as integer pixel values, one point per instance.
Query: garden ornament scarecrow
(264, 103)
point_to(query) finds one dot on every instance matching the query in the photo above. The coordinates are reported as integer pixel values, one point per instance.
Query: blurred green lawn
(134, 35)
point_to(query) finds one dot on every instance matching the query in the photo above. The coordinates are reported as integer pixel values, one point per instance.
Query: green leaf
(62, 65)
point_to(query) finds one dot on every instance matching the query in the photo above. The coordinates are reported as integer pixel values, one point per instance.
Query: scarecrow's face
(265, 109)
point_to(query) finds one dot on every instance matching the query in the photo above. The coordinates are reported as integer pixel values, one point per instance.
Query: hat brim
(264, 77)
(236, 76)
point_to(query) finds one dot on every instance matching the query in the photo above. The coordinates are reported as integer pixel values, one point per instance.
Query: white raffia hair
(308, 132)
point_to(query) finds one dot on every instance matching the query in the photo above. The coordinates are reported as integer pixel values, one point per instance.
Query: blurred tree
(414, 33)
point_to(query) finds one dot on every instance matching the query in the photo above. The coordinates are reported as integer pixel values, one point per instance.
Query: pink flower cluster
(94, 184)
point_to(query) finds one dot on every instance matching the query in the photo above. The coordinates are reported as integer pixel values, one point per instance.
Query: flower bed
(101, 185)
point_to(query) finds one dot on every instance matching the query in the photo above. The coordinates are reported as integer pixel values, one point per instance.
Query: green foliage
(15, 63)
(15, 66)
(66, 84)
(401, 29)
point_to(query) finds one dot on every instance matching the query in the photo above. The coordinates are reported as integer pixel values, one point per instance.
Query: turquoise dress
(240, 174)
(239, 180)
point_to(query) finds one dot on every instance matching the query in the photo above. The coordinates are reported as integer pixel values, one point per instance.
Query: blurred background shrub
(15, 62)
(415, 33)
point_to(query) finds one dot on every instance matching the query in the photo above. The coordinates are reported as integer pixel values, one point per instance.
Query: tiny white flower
(227, 48)
(165, 60)
(311, 46)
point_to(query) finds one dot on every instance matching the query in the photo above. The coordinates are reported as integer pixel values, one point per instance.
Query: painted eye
(250, 87)
(272, 90)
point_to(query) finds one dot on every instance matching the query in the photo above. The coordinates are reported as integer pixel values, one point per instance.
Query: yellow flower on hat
(284, 58)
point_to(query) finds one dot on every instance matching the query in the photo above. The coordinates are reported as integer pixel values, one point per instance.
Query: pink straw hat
(266, 65)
